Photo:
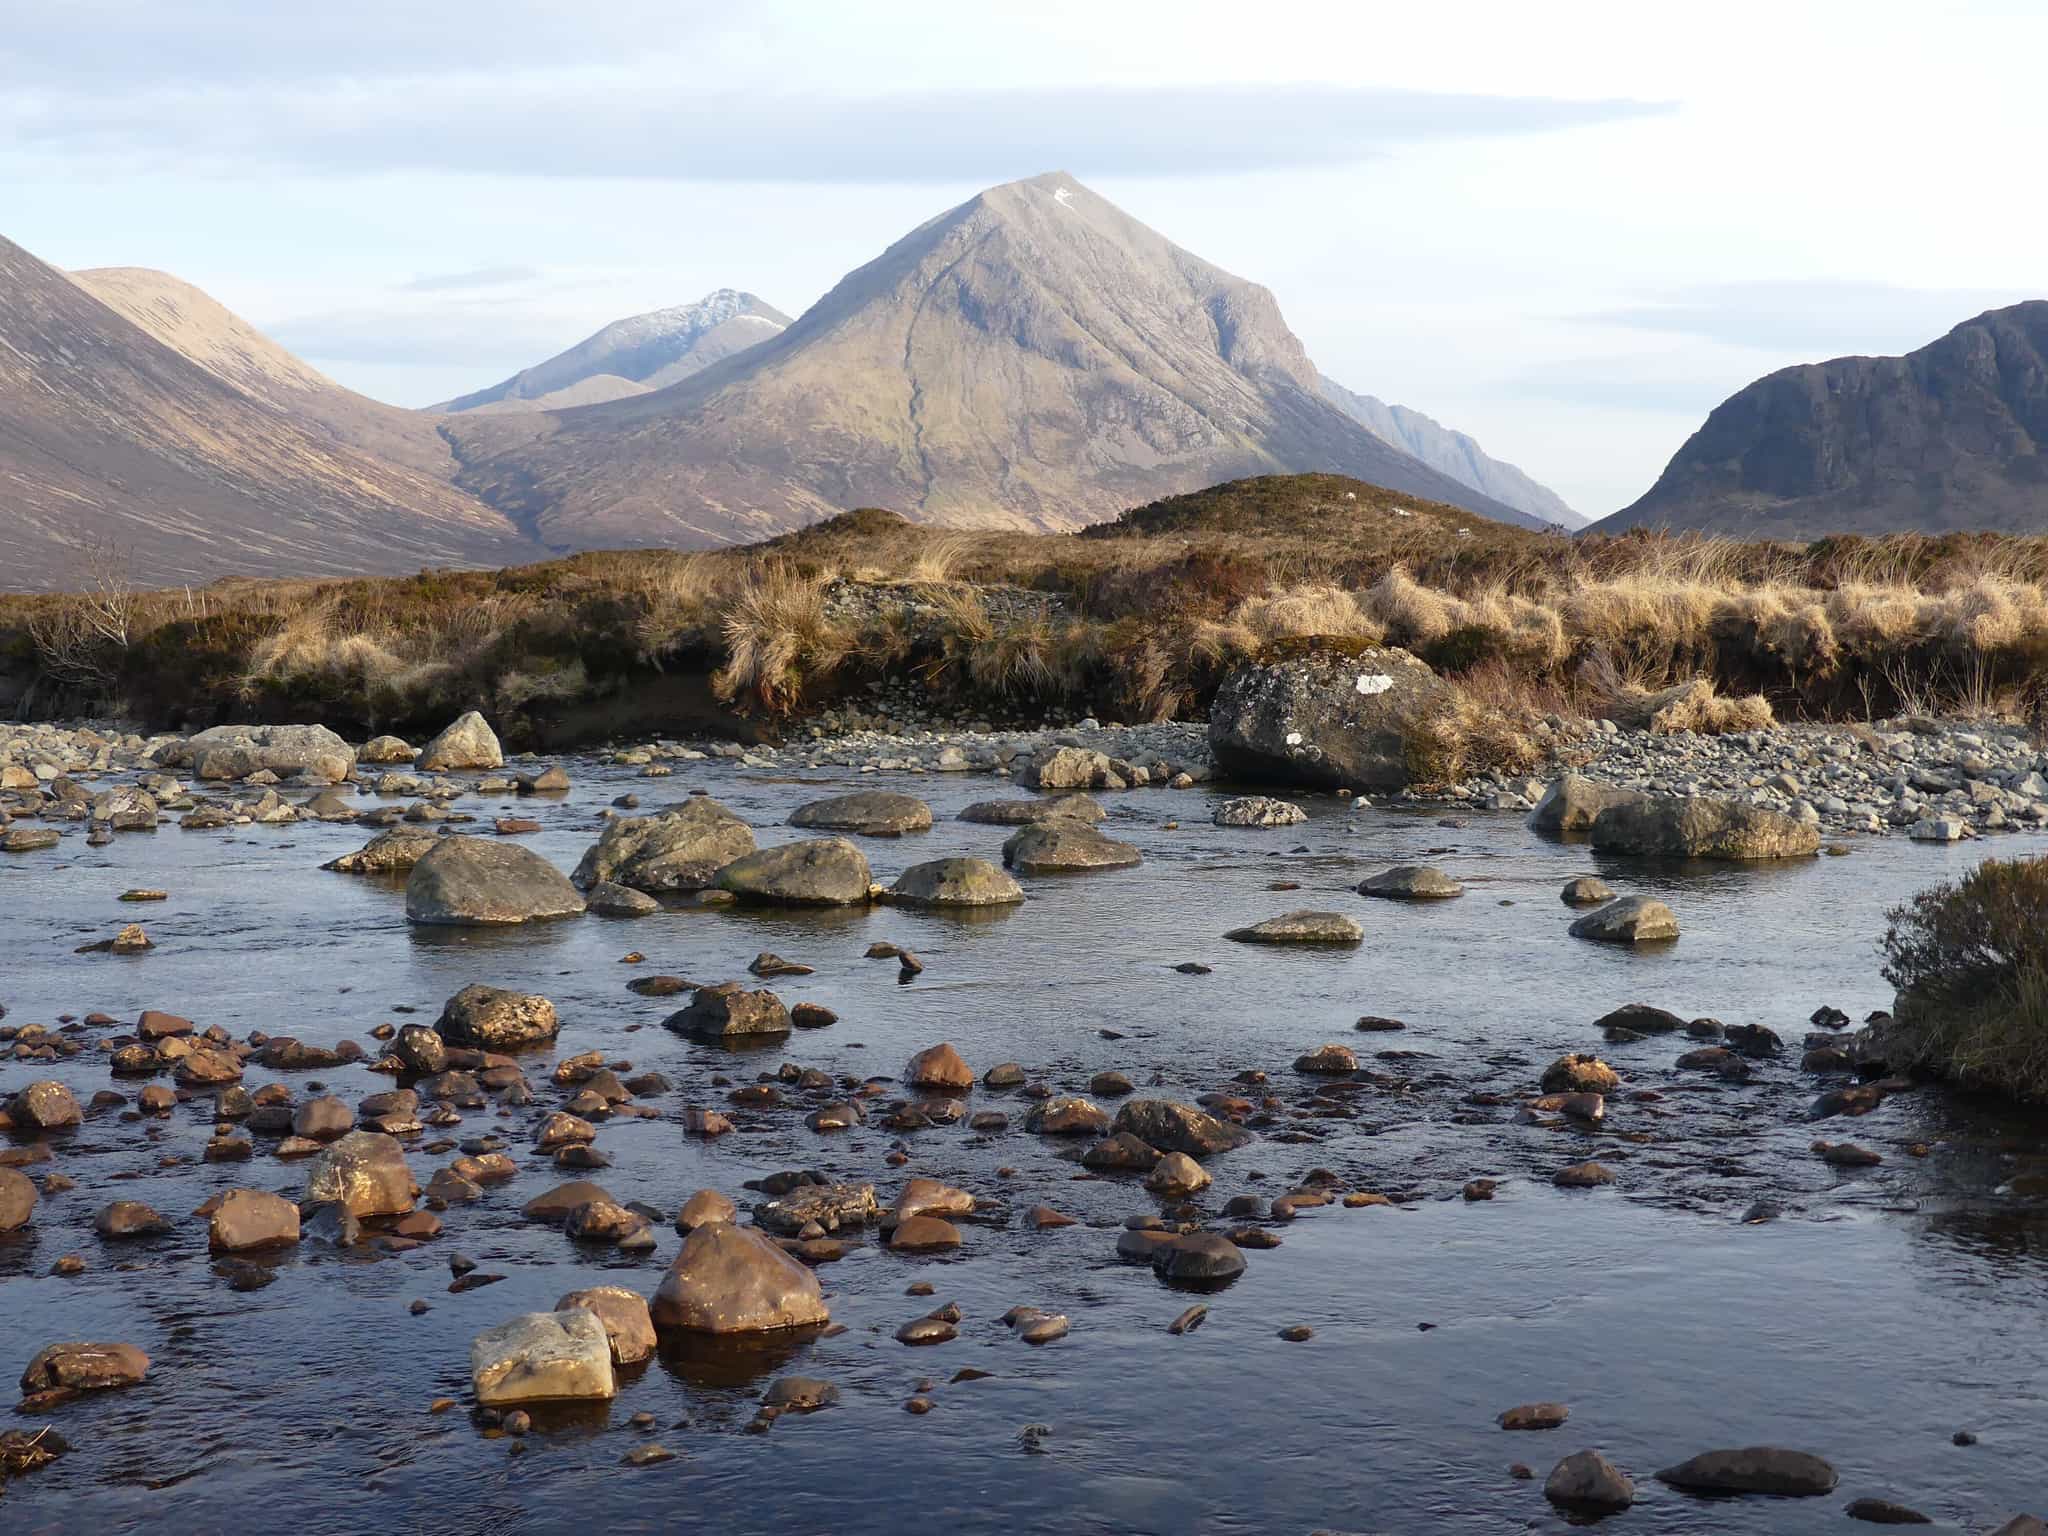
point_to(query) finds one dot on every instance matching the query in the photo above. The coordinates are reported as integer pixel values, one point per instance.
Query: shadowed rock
(475, 882)
(1063, 845)
(1331, 715)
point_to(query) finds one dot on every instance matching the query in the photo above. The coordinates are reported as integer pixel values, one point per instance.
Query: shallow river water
(1881, 1312)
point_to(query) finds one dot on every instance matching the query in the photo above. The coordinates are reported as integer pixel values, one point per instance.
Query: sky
(1568, 229)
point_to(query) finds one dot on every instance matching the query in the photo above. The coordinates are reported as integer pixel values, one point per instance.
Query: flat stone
(543, 1357)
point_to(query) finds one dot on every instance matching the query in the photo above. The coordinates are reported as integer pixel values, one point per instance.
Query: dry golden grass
(1139, 619)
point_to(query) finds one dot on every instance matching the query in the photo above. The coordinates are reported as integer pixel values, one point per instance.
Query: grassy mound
(1970, 960)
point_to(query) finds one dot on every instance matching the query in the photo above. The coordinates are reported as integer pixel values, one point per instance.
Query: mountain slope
(1953, 436)
(107, 436)
(194, 324)
(635, 355)
(1452, 453)
(1031, 358)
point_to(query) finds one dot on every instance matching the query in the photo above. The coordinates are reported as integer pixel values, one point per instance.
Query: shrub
(1970, 961)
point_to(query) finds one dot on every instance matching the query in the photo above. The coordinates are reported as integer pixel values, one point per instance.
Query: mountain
(108, 437)
(1451, 453)
(634, 356)
(1032, 358)
(227, 346)
(1953, 436)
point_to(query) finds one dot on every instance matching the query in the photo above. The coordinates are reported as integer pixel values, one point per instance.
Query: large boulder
(1571, 803)
(1327, 714)
(674, 850)
(364, 1173)
(730, 1012)
(394, 851)
(1753, 1469)
(468, 742)
(311, 752)
(821, 872)
(1302, 927)
(251, 1218)
(872, 812)
(1062, 845)
(628, 1324)
(495, 1019)
(17, 1199)
(955, 883)
(1628, 920)
(1691, 827)
(473, 882)
(84, 1368)
(543, 1357)
(1175, 1127)
(45, 1106)
(730, 1279)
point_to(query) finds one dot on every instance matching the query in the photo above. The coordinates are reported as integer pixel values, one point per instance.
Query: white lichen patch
(1374, 682)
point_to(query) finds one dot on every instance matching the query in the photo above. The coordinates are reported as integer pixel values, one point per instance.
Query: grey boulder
(1327, 714)
(475, 882)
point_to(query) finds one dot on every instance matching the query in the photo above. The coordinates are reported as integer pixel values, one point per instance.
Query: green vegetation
(1970, 960)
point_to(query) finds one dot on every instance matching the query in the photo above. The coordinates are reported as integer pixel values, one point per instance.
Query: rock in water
(1175, 1127)
(1258, 811)
(675, 850)
(1327, 714)
(475, 882)
(725, 1012)
(468, 742)
(386, 749)
(730, 1279)
(955, 883)
(825, 871)
(364, 1173)
(1753, 1469)
(1062, 845)
(1570, 804)
(84, 1368)
(494, 1019)
(543, 1357)
(45, 1106)
(17, 1199)
(393, 851)
(628, 1325)
(1411, 882)
(1586, 891)
(311, 752)
(1301, 928)
(1023, 813)
(1588, 1483)
(252, 1218)
(1628, 920)
(1693, 827)
(870, 812)
(939, 1066)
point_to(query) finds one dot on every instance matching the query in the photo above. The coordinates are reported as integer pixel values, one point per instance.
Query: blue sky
(1568, 229)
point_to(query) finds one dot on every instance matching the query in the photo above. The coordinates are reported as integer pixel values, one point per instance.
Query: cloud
(1632, 383)
(476, 277)
(455, 338)
(607, 122)
(1810, 320)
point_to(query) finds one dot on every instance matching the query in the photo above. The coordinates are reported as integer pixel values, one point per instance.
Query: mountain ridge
(1950, 436)
(1033, 357)
(109, 437)
(1453, 453)
(635, 355)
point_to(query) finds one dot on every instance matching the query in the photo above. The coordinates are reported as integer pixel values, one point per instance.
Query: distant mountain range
(1953, 436)
(110, 435)
(1034, 358)
(635, 356)
(1451, 453)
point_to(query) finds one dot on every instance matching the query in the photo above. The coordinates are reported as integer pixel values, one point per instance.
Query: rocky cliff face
(1953, 436)
(109, 437)
(1032, 358)
(1452, 453)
